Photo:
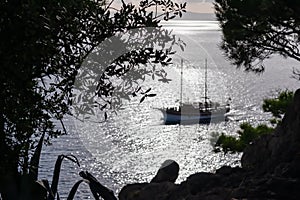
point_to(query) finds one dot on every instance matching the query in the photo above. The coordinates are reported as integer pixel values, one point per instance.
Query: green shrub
(247, 134)
(227, 144)
(277, 106)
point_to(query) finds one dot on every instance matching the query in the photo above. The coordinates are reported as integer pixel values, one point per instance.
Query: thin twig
(108, 6)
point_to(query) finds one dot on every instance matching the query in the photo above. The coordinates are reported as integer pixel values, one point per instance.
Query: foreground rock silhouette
(270, 170)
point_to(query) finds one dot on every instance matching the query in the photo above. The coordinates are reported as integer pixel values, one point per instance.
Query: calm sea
(130, 146)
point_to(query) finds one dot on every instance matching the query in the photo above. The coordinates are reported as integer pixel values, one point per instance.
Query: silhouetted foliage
(277, 106)
(43, 44)
(246, 135)
(45, 191)
(254, 30)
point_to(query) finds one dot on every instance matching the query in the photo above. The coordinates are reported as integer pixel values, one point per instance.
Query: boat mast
(205, 85)
(181, 82)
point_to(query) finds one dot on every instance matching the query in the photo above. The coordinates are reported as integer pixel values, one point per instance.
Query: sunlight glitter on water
(130, 146)
(133, 144)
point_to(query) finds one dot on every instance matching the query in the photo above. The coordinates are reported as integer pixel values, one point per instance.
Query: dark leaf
(56, 172)
(142, 99)
(97, 188)
(104, 106)
(147, 91)
(74, 190)
(45, 184)
(150, 95)
(35, 159)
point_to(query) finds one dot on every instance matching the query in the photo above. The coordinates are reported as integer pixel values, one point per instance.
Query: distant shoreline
(198, 16)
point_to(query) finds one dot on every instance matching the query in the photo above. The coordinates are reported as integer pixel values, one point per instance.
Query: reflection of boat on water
(201, 112)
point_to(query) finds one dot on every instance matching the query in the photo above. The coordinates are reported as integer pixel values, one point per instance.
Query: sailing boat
(199, 112)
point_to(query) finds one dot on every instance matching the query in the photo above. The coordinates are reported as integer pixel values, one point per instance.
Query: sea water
(130, 146)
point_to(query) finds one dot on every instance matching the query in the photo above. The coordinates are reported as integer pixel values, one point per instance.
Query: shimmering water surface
(130, 146)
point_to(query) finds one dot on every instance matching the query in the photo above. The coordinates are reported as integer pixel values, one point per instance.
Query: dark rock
(159, 188)
(201, 181)
(227, 170)
(149, 191)
(131, 191)
(167, 172)
(293, 170)
(217, 193)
